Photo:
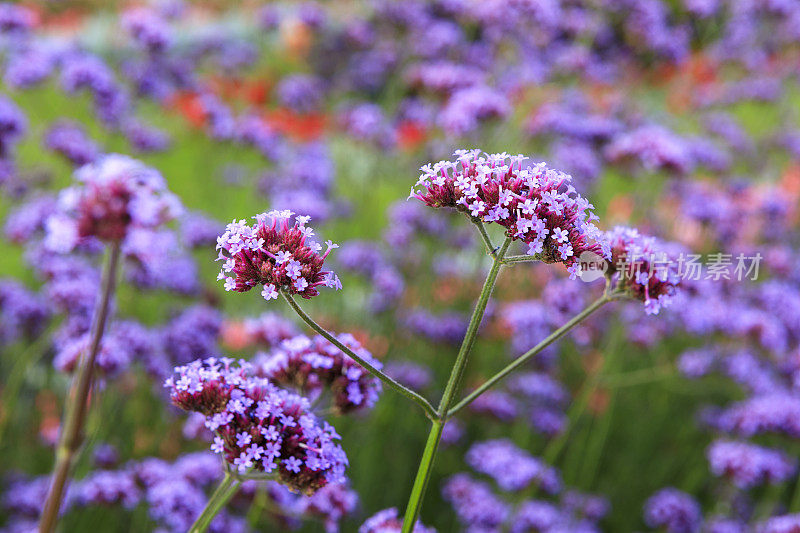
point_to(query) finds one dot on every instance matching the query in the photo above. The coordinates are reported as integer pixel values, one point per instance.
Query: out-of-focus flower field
(680, 118)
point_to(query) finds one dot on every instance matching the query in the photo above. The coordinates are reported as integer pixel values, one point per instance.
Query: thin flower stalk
(224, 492)
(71, 436)
(391, 383)
(435, 435)
(524, 358)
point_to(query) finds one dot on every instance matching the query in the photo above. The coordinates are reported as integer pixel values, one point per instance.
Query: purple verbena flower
(276, 254)
(114, 194)
(535, 205)
(512, 468)
(70, 140)
(263, 428)
(314, 365)
(749, 465)
(673, 510)
(646, 268)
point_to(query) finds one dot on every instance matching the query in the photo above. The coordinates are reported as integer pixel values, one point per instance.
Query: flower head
(311, 364)
(114, 195)
(70, 140)
(536, 205)
(646, 268)
(748, 465)
(672, 510)
(260, 427)
(13, 125)
(275, 253)
(511, 467)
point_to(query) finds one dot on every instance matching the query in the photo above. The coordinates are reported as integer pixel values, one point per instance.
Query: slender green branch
(435, 435)
(491, 249)
(71, 435)
(521, 259)
(408, 393)
(521, 360)
(224, 492)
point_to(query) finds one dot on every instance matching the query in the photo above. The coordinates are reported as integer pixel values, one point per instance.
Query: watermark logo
(593, 266)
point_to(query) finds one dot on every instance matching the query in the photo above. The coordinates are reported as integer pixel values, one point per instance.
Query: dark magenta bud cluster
(114, 195)
(275, 253)
(314, 365)
(646, 268)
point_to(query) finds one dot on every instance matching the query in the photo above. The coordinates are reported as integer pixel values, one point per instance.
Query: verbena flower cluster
(275, 253)
(748, 465)
(536, 205)
(259, 427)
(115, 195)
(314, 366)
(673, 511)
(644, 267)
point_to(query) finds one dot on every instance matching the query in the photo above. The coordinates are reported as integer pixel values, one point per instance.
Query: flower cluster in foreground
(645, 267)
(260, 428)
(535, 204)
(275, 253)
(313, 365)
(115, 194)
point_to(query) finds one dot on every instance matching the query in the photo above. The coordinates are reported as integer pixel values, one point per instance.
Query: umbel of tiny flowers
(114, 194)
(643, 268)
(260, 428)
(313, 365)
(276, 253)
(535, 204)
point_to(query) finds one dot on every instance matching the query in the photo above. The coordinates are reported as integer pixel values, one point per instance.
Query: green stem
(491, 249)
(435, 435)
(225, 491)
(408, 393)
(77, 407)
(521, 258)
(521, 360)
